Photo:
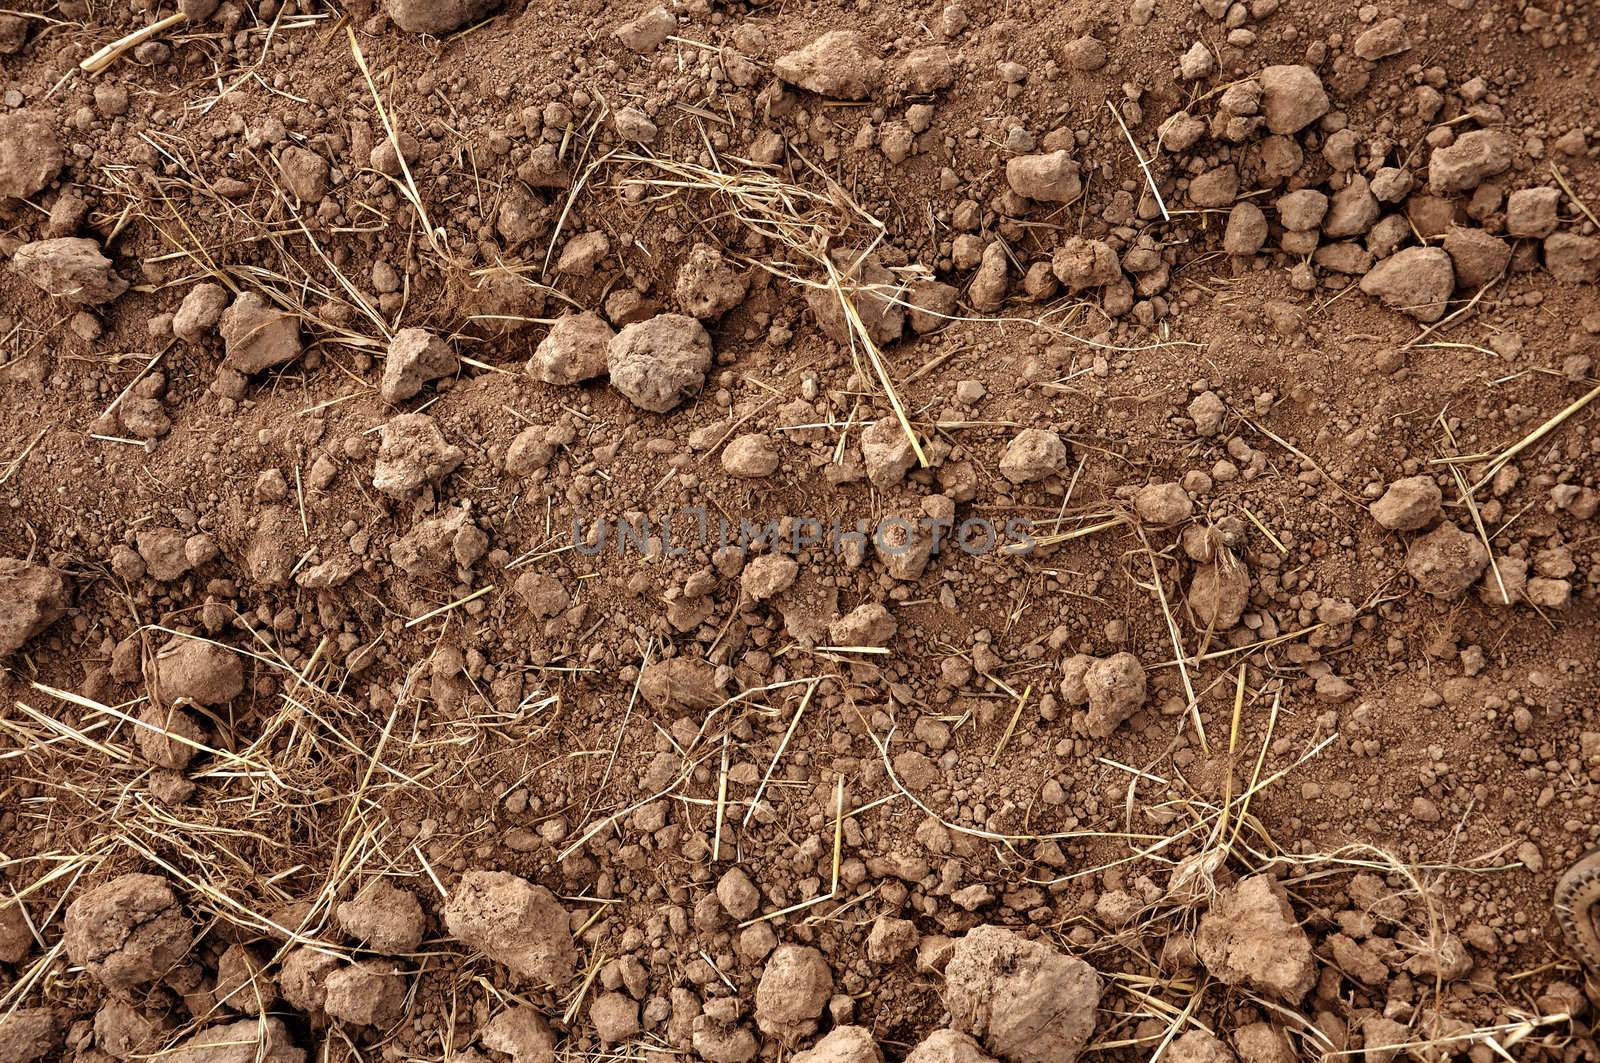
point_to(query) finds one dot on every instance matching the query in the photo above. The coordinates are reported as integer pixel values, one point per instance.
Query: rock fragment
(71, 268)
(1302, 210)
(1216, 188)
(16, 936)
(1246, 231)
(1207, 411)
(515, 923)
(1024, 1001)
(658, 363)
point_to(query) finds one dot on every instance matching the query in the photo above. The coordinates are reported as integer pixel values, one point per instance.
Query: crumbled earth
(732, 531)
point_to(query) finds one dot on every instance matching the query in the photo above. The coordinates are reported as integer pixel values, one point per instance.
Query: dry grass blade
(1571, 410)
(861, 334)
(1144, 164)
(408, 187)
(103, 58)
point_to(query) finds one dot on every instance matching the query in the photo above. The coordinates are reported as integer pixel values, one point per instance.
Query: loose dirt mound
(838, 533)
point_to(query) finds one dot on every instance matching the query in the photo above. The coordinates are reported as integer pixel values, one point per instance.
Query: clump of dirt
(738, 531)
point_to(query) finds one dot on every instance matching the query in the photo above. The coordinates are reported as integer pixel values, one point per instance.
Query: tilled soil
(804, 531)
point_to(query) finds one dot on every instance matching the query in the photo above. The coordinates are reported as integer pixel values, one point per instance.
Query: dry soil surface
(832, 532)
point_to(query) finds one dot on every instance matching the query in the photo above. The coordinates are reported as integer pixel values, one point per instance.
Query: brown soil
(1262, 336)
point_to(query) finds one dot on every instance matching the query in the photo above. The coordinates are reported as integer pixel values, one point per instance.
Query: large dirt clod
(1292, 97)
(794, 987)
(128, 932)
(513, 922)
(1033, 454)
(413, 455)
(659, 363)
(1024, 1001)
(1050, 178)
(415, 357)
(1446, 561)
(198, 670)
(843, 1044)
(256, 336)
(30, 154)
(384, 917)
(371, 992)
(30, 1034)
(1408, 504)
(839, 64)
(948, 1046)
(71, 268)
(1465, 164)
(438, 16)
(246, 1041)
(1416, 281)
(1250, 937)
(708, 285)
(32, 597)
(682, 682)
(876, 294)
